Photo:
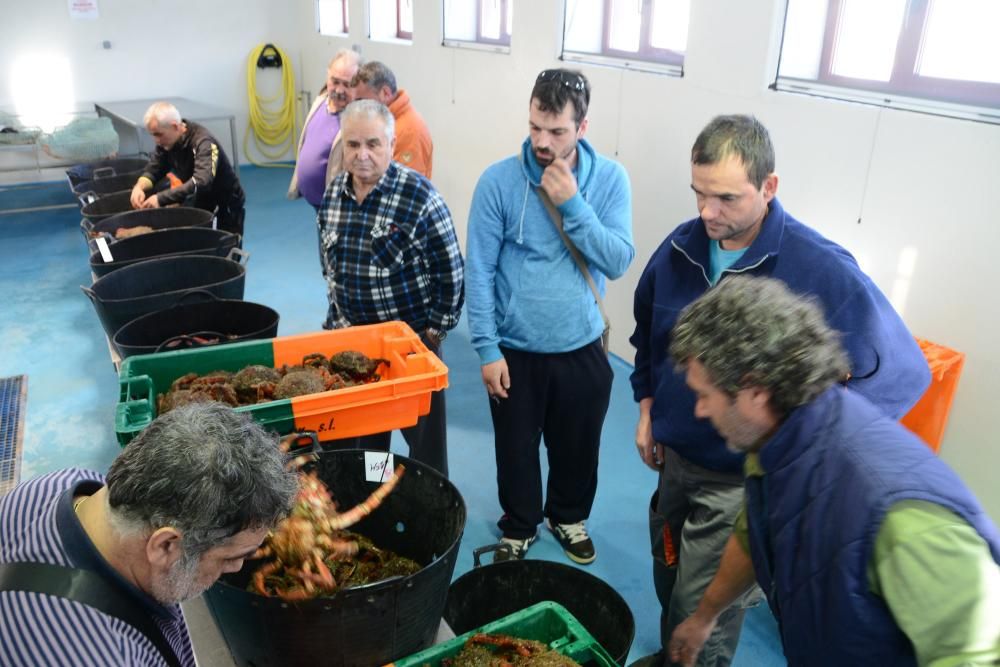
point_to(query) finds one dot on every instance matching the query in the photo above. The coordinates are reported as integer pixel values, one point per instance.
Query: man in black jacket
(190, 153)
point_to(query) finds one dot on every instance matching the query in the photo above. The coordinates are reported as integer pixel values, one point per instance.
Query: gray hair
(743, 137)
(375, 75)
(754, 331)
(163, 112)
(204, 469)
(352, 56)
(370, 109)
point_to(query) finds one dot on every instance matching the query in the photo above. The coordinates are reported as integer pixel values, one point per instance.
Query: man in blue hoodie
(742, 228)
(535, 321)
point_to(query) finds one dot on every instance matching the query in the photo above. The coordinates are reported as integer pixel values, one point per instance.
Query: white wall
(159, 48)
(920, 185)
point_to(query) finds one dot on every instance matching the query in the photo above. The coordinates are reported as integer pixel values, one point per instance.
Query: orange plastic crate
(396, 401)
(929, 416)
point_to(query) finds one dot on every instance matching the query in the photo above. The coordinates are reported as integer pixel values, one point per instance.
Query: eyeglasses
(562, 77)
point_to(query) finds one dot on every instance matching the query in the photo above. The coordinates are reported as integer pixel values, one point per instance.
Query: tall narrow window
(331, 17)
(486, 22)
(390, 20)
(940, 56)
(644, 34)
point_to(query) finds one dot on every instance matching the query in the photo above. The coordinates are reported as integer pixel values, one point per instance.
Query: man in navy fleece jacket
(742, 228)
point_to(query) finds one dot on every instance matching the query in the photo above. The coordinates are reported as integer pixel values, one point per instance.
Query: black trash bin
(106, 206)
(422, 519)
(213, 322)
(155, 284)
(489, 592)
(164, 242)
(88, 171)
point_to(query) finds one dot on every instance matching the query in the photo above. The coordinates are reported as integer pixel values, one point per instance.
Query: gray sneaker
(518, 548)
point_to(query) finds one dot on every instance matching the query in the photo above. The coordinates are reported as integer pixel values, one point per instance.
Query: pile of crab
(260, 384)
(494, 650)
(309, 554)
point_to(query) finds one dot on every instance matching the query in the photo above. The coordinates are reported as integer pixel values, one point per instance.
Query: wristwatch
(437, 334)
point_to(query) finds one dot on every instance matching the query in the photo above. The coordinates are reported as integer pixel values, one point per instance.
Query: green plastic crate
(546, 622)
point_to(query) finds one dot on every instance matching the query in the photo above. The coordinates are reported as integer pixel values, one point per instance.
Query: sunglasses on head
(562, 77)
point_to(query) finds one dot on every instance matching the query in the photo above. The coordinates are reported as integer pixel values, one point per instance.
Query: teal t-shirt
(720, 259)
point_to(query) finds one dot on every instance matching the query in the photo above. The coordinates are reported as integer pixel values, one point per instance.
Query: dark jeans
(230, 218)
(561, 398)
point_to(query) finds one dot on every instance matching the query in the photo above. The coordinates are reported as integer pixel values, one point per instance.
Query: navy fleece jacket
(887, 366)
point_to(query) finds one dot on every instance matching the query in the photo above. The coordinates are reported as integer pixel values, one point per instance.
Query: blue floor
(50, 333)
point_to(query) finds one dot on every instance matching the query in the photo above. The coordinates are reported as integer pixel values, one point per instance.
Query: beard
(545, 156)
(180, 583)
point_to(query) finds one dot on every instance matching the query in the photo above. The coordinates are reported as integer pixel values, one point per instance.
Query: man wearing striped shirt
(392, 254)
(188, 499)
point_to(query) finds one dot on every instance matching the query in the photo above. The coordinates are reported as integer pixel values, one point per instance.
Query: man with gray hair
(321, 152)
(92, 569)
(388, 239)
(741, 229)
(414, 148)
(870, 549)
(188, 151)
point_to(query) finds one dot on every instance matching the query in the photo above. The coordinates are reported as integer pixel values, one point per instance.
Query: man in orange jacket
(414, 148)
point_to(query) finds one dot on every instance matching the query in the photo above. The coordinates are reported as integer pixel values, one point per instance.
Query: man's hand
(650, 451)
(496, 378)
(138, 196)
(689, 637)
(151, 202)
(558, 181)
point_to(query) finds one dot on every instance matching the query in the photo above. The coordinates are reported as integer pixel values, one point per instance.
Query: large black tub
(155, 284)
(489, 592)
(169, 242)
(131, 166)
(191, 324)
(107, 206)
(423, 518)
(104, 186)
(157, 218)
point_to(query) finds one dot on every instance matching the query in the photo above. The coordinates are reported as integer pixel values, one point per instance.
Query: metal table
(126, 117)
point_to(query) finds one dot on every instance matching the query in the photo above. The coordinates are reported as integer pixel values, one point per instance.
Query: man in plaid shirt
(391, 253)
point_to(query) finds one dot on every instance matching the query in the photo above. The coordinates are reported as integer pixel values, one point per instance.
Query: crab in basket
(312, 554)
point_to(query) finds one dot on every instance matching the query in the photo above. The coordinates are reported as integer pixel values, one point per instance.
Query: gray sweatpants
(691, 517)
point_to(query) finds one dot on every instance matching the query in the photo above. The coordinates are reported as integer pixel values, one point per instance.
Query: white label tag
(378, 466)
(102, 246)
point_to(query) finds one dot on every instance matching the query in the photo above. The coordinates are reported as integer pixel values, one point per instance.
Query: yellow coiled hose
(273, 128)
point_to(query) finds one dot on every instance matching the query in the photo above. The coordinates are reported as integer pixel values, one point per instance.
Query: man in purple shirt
(320, 154)
(189, 498)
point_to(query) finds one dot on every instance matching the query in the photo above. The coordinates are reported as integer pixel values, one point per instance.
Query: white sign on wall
(83, 9)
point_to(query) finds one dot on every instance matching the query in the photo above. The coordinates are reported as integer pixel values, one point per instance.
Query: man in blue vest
(871, 551)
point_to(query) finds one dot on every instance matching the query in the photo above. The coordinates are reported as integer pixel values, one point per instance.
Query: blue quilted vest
(833, 469)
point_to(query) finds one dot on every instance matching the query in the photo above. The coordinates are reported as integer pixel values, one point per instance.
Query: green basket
(546, 622)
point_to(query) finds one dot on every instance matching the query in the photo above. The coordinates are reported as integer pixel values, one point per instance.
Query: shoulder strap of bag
(90, 589)
(574, 253)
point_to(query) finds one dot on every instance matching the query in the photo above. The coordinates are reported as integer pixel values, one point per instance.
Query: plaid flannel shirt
(394, 256)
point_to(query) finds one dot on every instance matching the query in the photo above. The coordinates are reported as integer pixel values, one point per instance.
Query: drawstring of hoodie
(524, 206)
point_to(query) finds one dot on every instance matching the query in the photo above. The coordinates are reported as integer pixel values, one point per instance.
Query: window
(939, 56)
(331, 17)
(477, 22)
(390, 20)
(643, 34)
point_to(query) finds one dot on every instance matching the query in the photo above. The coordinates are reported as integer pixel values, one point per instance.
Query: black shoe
(575, 541)
(518, 548)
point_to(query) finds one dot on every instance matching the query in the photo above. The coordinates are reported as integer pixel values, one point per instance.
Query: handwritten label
(326, 426)
(378, 466)
(102, 247)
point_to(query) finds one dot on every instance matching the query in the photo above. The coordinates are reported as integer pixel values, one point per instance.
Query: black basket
(190, 324)
(157, 218)
(169, 242)
(107, 206)
(155, 284)
(131, 166)
(490, 592)
(423, 519)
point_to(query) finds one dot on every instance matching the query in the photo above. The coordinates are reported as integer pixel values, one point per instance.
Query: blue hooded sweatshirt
(523, 290)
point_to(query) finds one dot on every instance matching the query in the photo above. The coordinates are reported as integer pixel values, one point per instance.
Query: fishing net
(82, 139)
(12, 132)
